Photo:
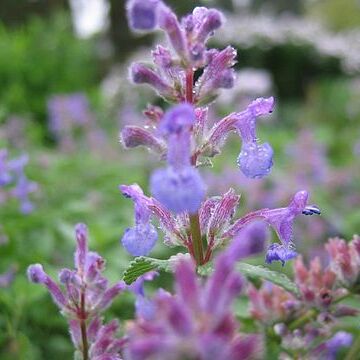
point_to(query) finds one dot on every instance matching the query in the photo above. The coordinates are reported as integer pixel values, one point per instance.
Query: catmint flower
(12, 176)
(143, 74)
(340, 340)
(255, 160)
(169, 23)
(196, 322)
(271, 304)
(345, 260)
(142, 14)
(282, 221)
(133, 136)
(178, 187)
(143, 305)
(7, 277)
(168, 223)
(84, 293)
(217, 74)
(316, 284)
(140, 239)
(5, 176)
(22, 190)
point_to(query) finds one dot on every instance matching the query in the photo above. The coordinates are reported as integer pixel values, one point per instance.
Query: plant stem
(195, 231)
(302, 320)
(189, 95)
(196, 238)
(85, 345)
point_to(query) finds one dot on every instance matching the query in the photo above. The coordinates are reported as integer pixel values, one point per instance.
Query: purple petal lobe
(140, 240)
(255, 161)
(178, 119)
(36, 274)
(142, 14)
(179, 191)
(277, 252)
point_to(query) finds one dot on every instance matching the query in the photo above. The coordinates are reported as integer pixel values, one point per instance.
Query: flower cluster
(85, 295)
(197, 321)
(14, 182)
(345, 261)
(301, 321)
(183, 136)
(67, 114)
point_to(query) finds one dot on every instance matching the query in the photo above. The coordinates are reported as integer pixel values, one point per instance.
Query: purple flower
(196, 322)
(340, 340)
(179, 187)
(169, 23)
(282, 221)
(255, 161)
(140, 239)
(66, 111)
(144, 306)
(5, 177)
(8, 277)
(133, 136)
(12, 175)
(277, 252)
(142, 74)
(218, 73)
(142, 14)
(178, 190)
(168, 223)
(84, 296)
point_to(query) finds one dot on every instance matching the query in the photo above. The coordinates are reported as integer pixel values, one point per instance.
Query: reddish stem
(189, 95)
(85, 345)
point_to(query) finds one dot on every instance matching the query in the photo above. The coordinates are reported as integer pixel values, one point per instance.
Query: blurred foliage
(40, 58)
(337, 14)
(43, 57)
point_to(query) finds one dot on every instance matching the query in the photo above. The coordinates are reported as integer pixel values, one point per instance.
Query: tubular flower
(345, 261)
(14, 182)
(83, 296)
(178, 187)
(197, 321)
(255, 160)
(282, 221)
(140, 239)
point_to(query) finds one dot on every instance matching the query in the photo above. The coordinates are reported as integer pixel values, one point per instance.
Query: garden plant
(290, 318)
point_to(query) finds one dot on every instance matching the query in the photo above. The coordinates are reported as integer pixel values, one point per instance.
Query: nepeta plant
(182, 134)
(84, 296)
(14, 182)
(198, 321)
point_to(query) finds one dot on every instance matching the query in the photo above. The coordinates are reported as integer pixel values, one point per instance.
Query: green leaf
(257, 272)
(142, 265)
(261, 272)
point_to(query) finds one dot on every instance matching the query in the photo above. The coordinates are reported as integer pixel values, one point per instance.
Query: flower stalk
(85, 345)
(194, 218)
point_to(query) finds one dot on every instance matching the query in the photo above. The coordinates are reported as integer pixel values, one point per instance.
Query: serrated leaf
(141, 265)
(257, 272)
(261, 272)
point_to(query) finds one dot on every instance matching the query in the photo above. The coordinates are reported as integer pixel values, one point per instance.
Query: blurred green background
(306, 53)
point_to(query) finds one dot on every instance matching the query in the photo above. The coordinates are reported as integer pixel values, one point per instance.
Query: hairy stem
(196, 238)
(189, 95)
(85, 345)
(195, 231)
